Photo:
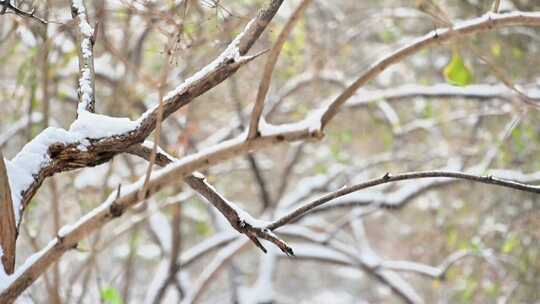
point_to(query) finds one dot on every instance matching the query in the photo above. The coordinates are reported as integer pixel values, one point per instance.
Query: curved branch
(485, 23)
(387, 178)
(269, 68)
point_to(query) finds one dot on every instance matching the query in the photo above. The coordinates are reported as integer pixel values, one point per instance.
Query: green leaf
(111, 295)
(456, 72)
(510, 244)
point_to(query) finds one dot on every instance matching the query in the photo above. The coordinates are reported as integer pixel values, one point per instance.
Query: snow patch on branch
(29, 161)
(95, 126)
(86, 91)
(34, 156)
(85, 28)
(312, 123)
(7, 280)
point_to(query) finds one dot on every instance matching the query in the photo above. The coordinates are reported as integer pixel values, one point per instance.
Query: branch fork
(240, 220)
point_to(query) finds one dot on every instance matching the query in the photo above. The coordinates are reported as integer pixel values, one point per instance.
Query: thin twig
(387, 178)
(6, 5)
(269, 68)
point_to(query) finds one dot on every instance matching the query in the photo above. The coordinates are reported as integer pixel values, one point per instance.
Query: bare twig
(7, 7)
(387, 178)
(269, 68)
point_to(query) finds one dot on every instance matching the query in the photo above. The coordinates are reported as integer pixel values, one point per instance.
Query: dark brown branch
(237, 221)
(387, 178)
(7, 7)
(261, 182)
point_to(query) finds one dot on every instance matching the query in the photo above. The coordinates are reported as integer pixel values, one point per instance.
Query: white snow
(95, 126)
(85, 78)
(312, 123)
(86, 47)
(85, 28)
(30, 160)
(85, 87)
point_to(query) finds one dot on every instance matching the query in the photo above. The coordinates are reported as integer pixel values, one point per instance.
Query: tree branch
(6, 5)
(387, 178)
(238, 218)
(82, 149)
(487, 22)
(269, 68)
(86, 89)
(8, 226)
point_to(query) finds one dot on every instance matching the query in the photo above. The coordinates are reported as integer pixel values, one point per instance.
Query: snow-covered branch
(94, 139)
(86, 37)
